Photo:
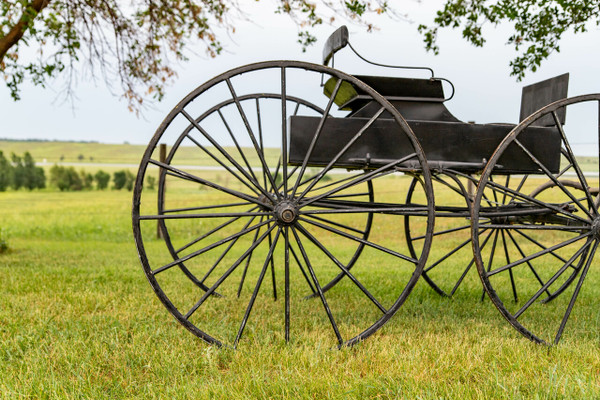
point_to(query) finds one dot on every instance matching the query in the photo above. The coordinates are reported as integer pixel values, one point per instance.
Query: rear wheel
(553, 232)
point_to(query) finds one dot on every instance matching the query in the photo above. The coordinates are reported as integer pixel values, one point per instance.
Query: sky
(484, 90)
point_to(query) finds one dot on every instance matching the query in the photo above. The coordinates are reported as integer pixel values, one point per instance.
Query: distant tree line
(68, 179)
(20, 172)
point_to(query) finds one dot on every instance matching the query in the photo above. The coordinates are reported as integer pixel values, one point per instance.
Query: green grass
(79, 320)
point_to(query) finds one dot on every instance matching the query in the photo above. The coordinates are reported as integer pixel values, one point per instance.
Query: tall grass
(79, 320)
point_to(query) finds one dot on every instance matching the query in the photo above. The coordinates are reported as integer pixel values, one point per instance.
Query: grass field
(78, 318)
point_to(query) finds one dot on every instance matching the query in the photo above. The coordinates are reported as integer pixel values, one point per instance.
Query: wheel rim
(303, 228)
(554, 234)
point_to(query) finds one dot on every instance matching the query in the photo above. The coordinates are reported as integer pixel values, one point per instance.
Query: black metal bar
(207, 234)
(256, 290)
(216, 285)
(194, 178)
(539, 253)
(362, 178)
(552, 280)
(318, 287)
(337, 224)
(207, 248)
(349, 144)
(243, 279)
(575, 294)
(175, 210)
(229, 247)
(251, 135)
(312, 289)
(284, 148)
(287, 283)
(363, 241)
(495, 186)
(316, 136)
(528, 263)
(578, 171)
(340, 266)
(237, 145)
(510, 271)
(551, 176)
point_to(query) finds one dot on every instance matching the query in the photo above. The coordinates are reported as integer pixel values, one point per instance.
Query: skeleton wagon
(271, 190)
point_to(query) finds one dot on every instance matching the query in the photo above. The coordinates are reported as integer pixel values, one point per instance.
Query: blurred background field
(79, 320)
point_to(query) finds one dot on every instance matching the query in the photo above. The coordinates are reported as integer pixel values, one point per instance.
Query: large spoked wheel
(551, 234)
(246, 222)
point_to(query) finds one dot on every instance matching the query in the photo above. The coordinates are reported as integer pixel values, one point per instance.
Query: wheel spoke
(551, 176)
(491, 258)
(384, 170)
(575, 293)
(532, 240)
(361, 240)
(210, 247)
(337, 224)
(312, 289)
(224, 154)
(539, 254)
(256, 289)
(341, 266)
(284, 147)
(207, 234)
(241, 285)
(553, 279)
(510, 271)
(318, 287)
(251, 135)
(237, 146)
(233, 267)
(342, 152)
(573, 161)
(211, 207)
(229, 247)
(187, 176)
(287, 283)
(316, 137)
(528, 263)
(200, 216)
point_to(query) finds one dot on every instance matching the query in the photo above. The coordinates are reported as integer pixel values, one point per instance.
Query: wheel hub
(286, 212)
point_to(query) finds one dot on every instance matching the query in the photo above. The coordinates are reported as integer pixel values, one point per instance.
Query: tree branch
(18, 30)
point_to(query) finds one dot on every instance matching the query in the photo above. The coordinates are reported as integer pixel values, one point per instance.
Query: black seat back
(541, 94)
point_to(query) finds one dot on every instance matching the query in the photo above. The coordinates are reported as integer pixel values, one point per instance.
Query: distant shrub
(65, 178)
(5, 172)
(21, 172)
(18, 172)
(150, 182)
(102, 179)
(34, 177)
(123, 179)
(87, 179)
(3, 243)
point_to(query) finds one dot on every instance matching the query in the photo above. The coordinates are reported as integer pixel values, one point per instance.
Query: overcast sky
(484, 90)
